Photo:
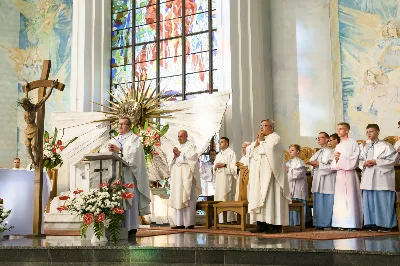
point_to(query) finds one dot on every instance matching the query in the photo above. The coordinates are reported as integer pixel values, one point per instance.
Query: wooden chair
(391, 139)
(240, 206)
(299, 206)
(208, 208)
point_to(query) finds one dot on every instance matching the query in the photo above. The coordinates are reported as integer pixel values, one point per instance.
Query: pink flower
(61, 208)
(78, 191)
(101, 217)
(158, 144)
(62, 148)
(129, 185)
(103, 185)
(148, 131)
(155, 153)
(118, 211)
(127, 195)
(88, 218)
(119, 182)
(147, 141)
(63, 197)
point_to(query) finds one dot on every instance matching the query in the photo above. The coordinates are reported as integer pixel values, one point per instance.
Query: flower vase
(96, 240)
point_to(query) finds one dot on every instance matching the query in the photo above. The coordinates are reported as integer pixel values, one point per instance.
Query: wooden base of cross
(41, 85)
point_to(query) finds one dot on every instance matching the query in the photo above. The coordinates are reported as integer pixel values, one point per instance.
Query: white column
(91, 55)
(244, 67)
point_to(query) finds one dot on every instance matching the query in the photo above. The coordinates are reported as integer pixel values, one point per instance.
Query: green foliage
(84, 228)
(98, 229)
(115, 226)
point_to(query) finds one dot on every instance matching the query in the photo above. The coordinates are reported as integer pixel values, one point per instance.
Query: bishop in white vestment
(323, 184)
(377, 160)
(185, 182)
(136, 173)
(207, 175)
(225, 176)
(269, 193)
(347, 206)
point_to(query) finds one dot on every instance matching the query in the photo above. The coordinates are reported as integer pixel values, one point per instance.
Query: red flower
(101, 217)
(59, 142)
(78, 191)
(129, 185)
(119, 211)
(155, 153)
(1, 201)
(88, 218)
(62, 148)
(54, 150)
(156, 136)
(127, 195)
(103, 185)
(63, 197)
(158, 144)
(117, 183)
(61, 208)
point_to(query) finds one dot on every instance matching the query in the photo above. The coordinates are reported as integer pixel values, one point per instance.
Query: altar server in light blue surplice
(377, 159)
(296, 169)
(323, 185)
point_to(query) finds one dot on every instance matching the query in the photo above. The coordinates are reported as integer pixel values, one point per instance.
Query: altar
(17, 189)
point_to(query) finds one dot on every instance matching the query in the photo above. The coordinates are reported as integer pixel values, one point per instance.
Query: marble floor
(385, 244)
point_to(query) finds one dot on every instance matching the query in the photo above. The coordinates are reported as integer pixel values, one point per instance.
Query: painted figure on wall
(369, 33)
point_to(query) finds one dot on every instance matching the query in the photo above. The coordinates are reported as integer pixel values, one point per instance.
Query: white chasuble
(269, 193)
(185, 173)
(136, 173)
(225, 184)
(347, 206)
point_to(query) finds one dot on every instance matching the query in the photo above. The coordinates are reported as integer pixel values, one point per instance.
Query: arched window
(169, 44)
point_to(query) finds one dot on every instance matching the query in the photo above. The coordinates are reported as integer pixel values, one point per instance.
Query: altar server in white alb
(136, 173)
(269, 193)
(225, 176)
(323, 184)
(297, 169)
(347, 206)
(207, 175)
(185, 182)
(377, 160)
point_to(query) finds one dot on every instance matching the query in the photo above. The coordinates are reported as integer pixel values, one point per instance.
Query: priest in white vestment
(323, 183)
(185, 182)
(269, 193)
(225, 176)
(347, 206)
(132, 152)
(207, 175)
(377, 160)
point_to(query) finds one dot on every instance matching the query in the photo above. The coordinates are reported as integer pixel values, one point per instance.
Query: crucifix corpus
(34, 134)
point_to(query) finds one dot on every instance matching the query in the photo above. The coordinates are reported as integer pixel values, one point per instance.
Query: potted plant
(99, 208)
(3, 216)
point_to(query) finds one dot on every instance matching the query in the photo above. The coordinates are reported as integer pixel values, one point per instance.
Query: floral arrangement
(52, 147)
(100, 208)
(150, 137)
(3, 215)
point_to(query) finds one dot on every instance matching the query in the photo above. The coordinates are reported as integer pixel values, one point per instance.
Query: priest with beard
(185, 182)
(269, 193)
(132, 152)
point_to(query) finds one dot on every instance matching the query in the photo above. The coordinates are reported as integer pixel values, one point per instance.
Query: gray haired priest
(136, 173)
(269, 193)
(185, 182)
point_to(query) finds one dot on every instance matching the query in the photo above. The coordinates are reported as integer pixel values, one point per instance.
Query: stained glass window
(170, 43)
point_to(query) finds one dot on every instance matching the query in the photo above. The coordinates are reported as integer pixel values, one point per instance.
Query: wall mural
(45, 32)
(369, 37)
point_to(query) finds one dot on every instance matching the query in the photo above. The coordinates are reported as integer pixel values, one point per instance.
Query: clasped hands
(113, 148)
(369, 163)
(176, 152)
(313, 163)
(219, 165)
(337, 156)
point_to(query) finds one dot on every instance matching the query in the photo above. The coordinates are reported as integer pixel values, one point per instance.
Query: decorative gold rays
(139, 105)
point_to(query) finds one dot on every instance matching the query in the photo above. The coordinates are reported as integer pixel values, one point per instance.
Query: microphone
(112, 132)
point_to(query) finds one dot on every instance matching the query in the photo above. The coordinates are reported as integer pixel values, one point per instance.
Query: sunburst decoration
(139, 105)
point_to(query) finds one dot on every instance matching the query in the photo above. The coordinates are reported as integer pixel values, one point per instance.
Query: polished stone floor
(386, 244)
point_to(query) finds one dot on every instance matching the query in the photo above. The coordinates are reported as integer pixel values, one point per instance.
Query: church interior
(199, 132)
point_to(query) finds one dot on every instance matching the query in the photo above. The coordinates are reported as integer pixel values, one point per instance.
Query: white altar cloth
(16, 188)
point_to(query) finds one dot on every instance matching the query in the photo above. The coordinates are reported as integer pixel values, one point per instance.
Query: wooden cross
(41, 84)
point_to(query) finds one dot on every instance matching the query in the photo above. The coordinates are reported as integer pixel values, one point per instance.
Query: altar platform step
(202, 249)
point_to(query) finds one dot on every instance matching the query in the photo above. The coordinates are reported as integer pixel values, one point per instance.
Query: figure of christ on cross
(34, 135)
